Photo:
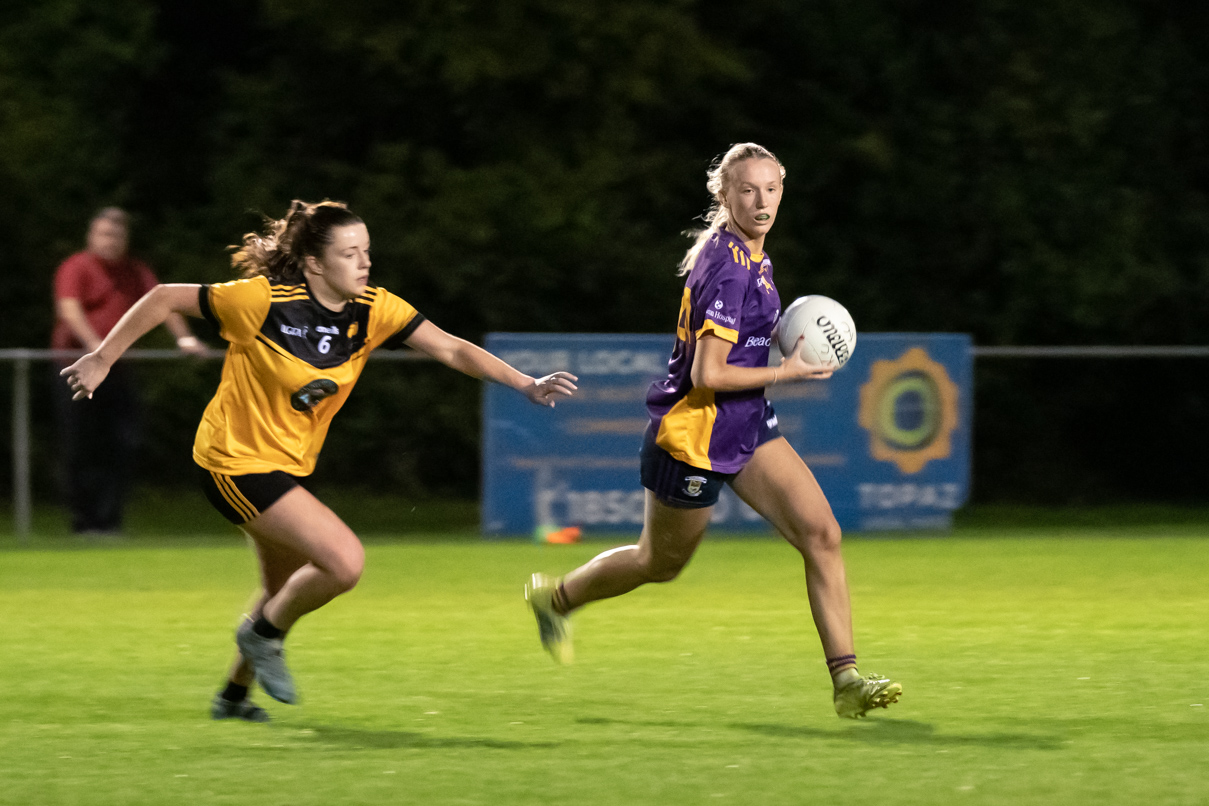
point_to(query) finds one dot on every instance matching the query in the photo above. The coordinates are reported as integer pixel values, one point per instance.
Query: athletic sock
(843, 670)
(265, 629)
(558, 600)
(234, 692)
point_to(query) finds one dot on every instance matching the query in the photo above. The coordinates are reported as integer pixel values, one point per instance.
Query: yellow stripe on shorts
(234, 497)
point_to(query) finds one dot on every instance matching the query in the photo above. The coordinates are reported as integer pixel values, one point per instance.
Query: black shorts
(242, 498)
(679, 484)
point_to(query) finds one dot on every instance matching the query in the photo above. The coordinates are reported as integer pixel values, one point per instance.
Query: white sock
(845, 676)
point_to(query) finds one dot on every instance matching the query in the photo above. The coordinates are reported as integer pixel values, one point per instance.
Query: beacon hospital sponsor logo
(715, 313)
(720, 317)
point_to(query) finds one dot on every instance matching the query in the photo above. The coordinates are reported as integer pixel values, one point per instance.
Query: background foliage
(1028, 173)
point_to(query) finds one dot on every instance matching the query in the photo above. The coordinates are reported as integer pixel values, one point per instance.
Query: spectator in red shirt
(93, 289)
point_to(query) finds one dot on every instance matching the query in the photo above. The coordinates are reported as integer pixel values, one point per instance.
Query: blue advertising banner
(888, 436)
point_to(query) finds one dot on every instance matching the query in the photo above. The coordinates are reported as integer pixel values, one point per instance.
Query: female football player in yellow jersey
(301, 324)
(711, 425)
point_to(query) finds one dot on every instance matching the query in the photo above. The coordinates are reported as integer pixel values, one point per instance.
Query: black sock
(265, 629)
(234, 692)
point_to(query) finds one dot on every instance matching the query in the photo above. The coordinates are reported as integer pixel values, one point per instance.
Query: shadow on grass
(369, 739)
(873, 731)
(648, 723)
(903, 731)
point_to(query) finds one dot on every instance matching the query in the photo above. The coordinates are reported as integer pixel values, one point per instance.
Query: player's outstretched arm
(710, 370)
(85, 375)
(478, 363)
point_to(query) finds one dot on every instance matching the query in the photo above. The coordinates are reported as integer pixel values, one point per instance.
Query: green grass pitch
(1039, 665)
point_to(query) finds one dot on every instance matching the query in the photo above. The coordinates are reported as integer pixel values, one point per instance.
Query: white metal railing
(22, 358)
(1107, 351)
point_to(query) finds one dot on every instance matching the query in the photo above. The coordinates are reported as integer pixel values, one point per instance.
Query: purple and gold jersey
(728, 294)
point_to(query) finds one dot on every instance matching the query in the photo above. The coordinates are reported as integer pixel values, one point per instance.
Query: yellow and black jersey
(289, 368)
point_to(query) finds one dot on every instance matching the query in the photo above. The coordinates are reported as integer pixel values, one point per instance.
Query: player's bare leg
(276, 566)
(778, 484)
(298, 526)
(300, 523)
(669, 537)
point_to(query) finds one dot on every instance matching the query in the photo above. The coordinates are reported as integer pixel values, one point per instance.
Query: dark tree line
(1028, 173)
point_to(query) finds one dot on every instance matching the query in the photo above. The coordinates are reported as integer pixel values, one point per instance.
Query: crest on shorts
(693, 485)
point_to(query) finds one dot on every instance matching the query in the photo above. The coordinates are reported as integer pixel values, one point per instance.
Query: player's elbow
(705, 376)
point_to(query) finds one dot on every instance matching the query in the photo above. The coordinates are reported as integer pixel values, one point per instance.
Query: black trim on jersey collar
(277, 348)
(203, 302)
(395, 342)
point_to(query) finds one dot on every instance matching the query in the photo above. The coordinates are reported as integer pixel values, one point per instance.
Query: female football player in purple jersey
(301, 324)
(711, 425)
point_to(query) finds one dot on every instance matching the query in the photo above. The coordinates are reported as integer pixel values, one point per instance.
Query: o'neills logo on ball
(839, 345)
(693, 485)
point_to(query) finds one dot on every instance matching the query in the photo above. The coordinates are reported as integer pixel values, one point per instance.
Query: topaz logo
(759, 341)
(910, 408)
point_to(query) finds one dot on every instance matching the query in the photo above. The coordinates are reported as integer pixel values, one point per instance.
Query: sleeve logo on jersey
(308, 396)
(721, 317)
(718, 304)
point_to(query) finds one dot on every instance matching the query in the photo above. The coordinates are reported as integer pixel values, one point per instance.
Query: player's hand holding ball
(816, 336)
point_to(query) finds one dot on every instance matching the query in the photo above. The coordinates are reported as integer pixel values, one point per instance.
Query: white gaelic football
(827, 326)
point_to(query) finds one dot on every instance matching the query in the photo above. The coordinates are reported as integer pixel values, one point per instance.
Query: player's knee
(664, 569)
(346, 570)
(662, 574)
(817, 537)
(347, 578)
